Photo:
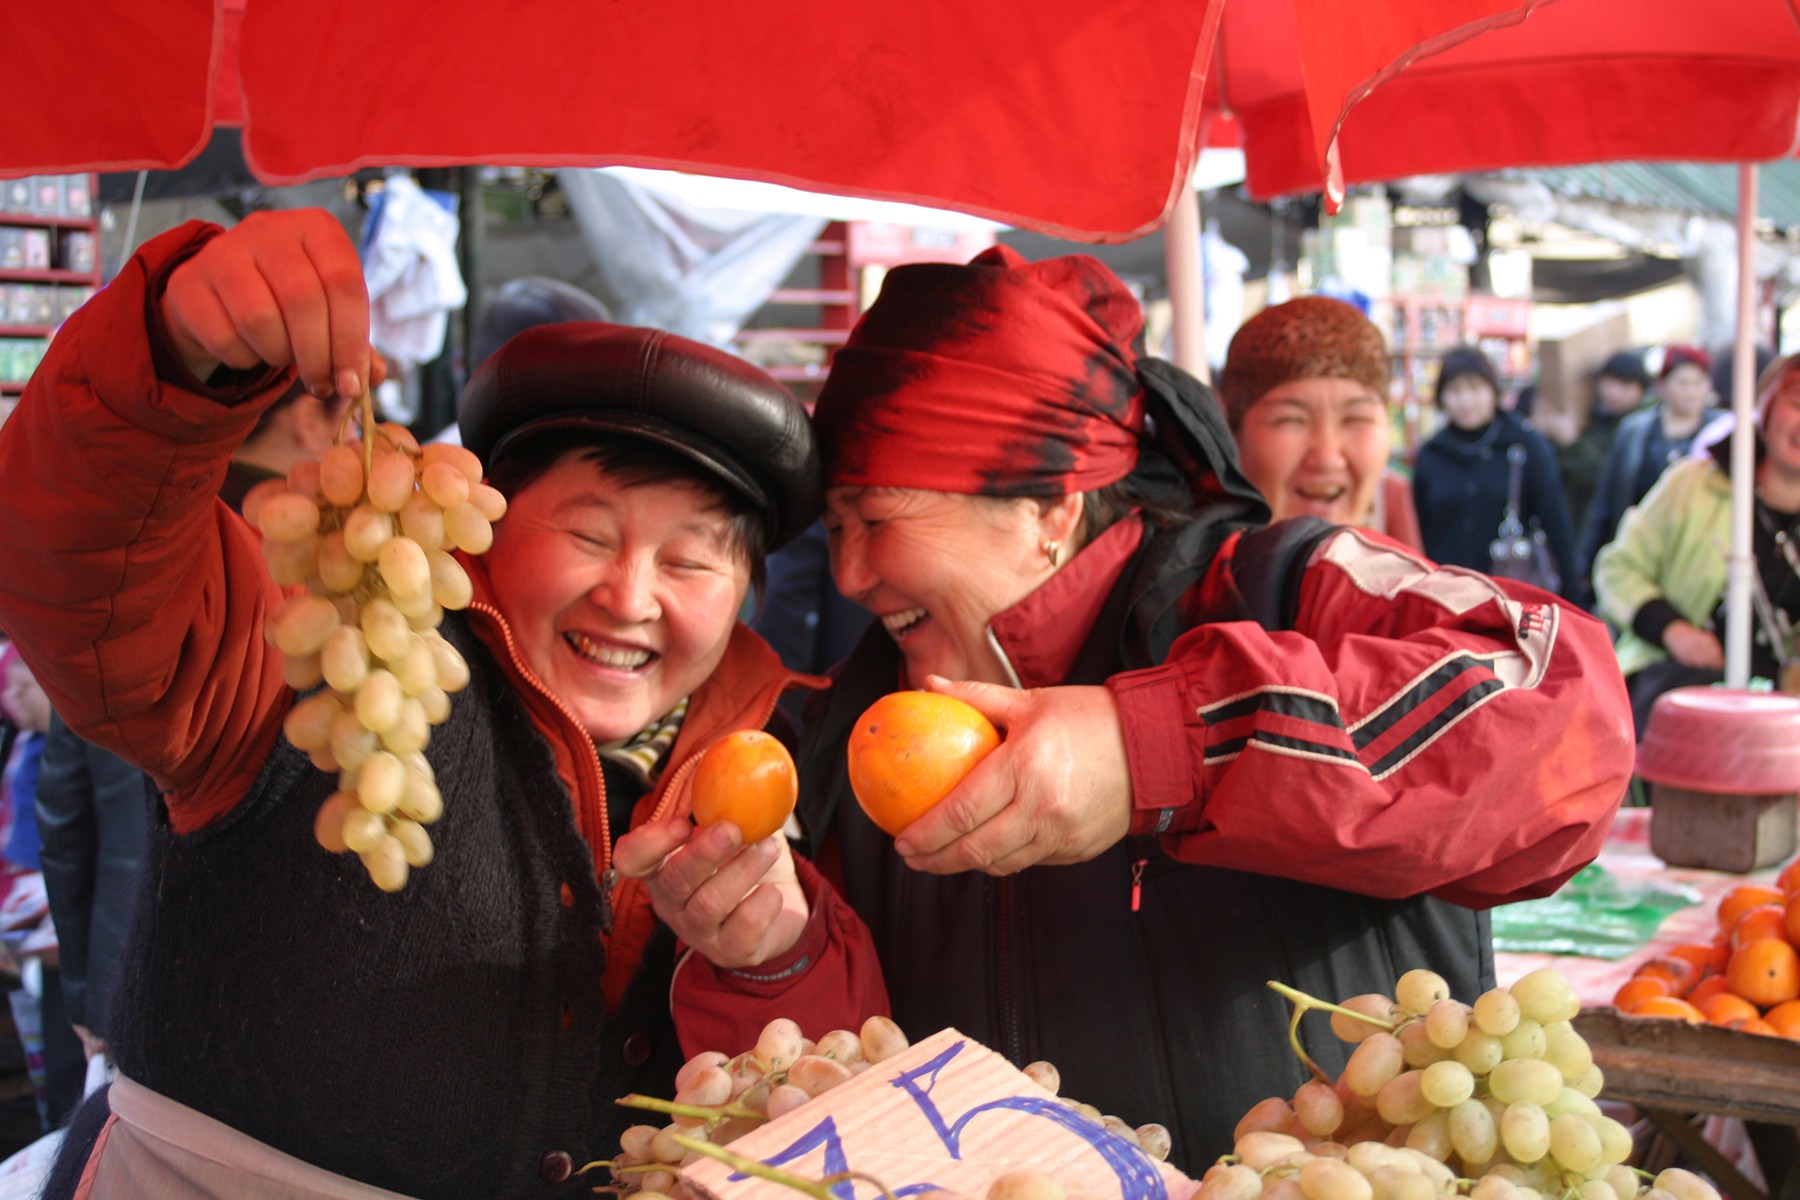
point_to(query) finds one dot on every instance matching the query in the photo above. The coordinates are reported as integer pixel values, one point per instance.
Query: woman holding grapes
(288, 1029)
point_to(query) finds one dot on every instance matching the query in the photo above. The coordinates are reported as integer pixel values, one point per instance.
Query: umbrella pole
(1187, 295)
(1740, 563)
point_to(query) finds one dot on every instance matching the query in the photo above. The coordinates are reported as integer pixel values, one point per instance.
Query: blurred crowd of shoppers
(1661, 580)
(1647, 442)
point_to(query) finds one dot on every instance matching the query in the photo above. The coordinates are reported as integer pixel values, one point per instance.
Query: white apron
(153, 1146)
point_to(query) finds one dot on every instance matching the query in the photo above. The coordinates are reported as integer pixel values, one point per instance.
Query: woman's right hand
(1692, 646)
(280, 288)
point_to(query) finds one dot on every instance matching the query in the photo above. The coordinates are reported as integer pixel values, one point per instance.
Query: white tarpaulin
(697, 255)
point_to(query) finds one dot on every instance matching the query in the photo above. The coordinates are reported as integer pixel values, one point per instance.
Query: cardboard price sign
(948, 1113)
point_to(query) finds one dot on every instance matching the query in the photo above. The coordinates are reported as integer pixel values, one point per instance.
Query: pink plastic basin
(1719, 740)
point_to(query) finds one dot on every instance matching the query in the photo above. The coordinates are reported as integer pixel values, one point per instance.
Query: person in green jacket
(1662, 579)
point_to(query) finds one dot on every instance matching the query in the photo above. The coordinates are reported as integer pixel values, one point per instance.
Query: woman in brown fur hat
(1305, 390)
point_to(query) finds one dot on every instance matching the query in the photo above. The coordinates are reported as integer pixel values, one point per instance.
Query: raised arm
(136, 596)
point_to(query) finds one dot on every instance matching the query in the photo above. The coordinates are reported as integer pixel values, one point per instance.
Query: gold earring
(1052, 551)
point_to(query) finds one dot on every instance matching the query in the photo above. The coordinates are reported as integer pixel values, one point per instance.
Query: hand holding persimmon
(747, 778)
(910, 749)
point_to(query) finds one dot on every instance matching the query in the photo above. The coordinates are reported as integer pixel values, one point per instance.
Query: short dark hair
(637, 462)
(1154, 488)
(1627, 366)
(1463, 360)
(525, 303)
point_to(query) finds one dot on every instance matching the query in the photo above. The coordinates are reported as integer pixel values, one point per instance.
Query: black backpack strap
(1268, 564)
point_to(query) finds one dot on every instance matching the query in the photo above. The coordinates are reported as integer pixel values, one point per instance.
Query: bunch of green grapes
(367, 531)
(1439, 1098)
(720, 1097)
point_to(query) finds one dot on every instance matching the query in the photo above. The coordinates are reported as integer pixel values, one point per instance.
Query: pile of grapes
(1443, 1098)
(367, 530)
(720, 1097)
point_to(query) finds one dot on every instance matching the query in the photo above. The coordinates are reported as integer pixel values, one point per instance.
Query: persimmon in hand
(910, 749)
(747, 778)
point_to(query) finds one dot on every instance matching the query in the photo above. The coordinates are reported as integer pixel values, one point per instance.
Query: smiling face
(1685, 390)
(622, 597)
(1781, 427)
(1316, 447)
(1469, 401)
(1617, 397)
(936, 568)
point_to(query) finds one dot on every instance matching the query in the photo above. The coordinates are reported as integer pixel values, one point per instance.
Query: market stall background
(1064, 118)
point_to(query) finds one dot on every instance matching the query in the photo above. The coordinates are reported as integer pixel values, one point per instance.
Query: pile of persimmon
(1747, 978)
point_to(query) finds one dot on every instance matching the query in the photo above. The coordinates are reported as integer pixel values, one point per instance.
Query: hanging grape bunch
(368, 531)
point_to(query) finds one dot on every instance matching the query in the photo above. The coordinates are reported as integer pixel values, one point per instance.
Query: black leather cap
(728, 416)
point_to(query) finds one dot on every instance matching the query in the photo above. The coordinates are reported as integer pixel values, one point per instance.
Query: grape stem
(365, 404)
(818, 1189)
(710, 1113)
(1303, 1004)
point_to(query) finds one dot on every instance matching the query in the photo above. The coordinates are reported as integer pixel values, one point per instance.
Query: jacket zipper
(609, 878)
(1006, 983)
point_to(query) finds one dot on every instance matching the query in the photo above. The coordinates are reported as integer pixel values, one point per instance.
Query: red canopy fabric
(1071, 117)
(113, 84)
(1569, 81)
(1067, 116)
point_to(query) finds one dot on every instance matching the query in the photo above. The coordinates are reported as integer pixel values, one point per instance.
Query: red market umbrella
(1067, 116)
(1552, 82)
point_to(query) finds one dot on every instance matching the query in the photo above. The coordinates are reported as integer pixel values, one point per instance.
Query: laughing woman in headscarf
(1234, 751)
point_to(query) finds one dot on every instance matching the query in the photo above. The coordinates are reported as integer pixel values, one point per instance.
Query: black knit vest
(438, 1042)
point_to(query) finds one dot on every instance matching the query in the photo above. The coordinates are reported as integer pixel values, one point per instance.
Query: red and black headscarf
(1000, 377)
(1009, 378)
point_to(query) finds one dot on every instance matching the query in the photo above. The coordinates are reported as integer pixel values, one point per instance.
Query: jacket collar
(1041, 635)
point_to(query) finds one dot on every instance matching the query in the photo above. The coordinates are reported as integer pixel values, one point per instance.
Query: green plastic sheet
(1595, 914)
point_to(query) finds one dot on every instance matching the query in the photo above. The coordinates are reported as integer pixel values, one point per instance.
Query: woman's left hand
(1057, 790)
(737, 905)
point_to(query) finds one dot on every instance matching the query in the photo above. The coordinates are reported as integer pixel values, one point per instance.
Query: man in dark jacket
(1620, 388)
(1647, 441)
(90, 811)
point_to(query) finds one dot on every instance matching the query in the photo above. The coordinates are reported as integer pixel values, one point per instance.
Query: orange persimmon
(1785, 1018)
(1725, 1008)
(1706, 989)
(1680, 974)
(1742, 898)
(747, 778)
(910, 749)
(1669, 1006)
(1763, 921)
(1637, 989)
(1765, 971)
(1707, 958)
